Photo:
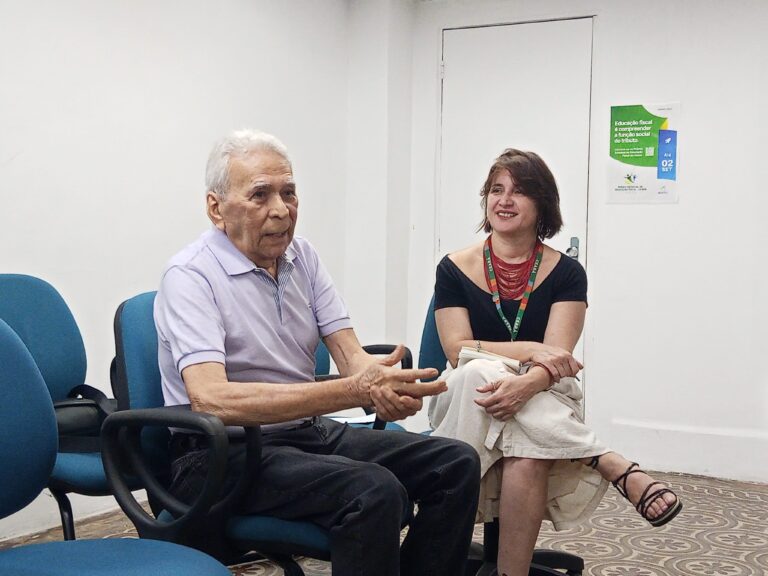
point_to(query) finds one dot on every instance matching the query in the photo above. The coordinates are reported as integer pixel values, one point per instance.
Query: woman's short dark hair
(536, 181)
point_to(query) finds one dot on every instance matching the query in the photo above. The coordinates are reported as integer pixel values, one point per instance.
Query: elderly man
(239, 314)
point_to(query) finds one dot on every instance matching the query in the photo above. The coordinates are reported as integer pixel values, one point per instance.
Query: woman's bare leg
(521, 510)
(612, 465)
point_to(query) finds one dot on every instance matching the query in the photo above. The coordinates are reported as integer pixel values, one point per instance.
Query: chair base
(552, 561)
(482, 558)
(476, 567)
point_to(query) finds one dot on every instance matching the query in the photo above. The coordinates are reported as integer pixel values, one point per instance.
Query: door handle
(573, 249)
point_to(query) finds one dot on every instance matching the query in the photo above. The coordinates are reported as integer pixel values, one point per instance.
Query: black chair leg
(487, 569)
(287, 563)
(65, 510)
(474, 559)
(491, 540)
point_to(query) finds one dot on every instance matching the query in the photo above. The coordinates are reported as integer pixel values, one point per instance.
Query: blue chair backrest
(38, 314)
(322, 360)
(431, 352)
(28, 435)
(138, 384)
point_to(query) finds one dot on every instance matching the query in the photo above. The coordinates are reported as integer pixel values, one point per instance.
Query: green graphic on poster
(643, 163)
(635, 135)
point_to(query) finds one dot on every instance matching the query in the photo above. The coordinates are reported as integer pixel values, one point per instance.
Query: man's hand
(393, 392)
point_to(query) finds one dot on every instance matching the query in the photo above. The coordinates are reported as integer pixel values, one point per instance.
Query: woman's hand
(510, 393)
(558, 361)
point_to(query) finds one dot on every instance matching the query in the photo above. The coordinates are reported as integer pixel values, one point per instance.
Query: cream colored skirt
(549, 426)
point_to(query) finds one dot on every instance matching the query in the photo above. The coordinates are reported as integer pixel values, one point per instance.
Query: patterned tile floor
(722, 531)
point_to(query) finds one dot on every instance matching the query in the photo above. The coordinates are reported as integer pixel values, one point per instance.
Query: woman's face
(508, 210)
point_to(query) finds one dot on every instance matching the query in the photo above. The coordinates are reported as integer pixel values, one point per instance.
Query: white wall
(378, 167)
(107, 113)
(674, 332)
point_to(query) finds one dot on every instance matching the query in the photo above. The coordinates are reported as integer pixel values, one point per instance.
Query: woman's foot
(653, 500)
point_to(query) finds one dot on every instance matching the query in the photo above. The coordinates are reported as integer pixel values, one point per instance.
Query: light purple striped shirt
(215, 305)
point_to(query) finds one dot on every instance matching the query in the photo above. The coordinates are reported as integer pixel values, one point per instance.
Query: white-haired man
(239, 314)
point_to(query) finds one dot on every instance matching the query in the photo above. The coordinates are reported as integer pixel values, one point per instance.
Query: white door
(523, 86)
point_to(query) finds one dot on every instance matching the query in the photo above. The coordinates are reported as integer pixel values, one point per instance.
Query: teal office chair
(139, 427)
(29, 453)
(483, 559)
(41, 318)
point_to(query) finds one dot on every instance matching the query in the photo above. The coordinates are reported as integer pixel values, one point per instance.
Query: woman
(514, 296)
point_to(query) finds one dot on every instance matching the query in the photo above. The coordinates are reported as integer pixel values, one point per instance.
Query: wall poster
(643, 154)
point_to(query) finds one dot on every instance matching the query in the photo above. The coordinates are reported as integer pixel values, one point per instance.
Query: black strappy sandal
(647, 499)
(592, 463)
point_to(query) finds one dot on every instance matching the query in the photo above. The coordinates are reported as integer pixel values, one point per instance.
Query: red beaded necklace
(512, 278)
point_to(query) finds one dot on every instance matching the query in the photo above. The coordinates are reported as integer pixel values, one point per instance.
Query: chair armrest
(121, 436)
(381, 349)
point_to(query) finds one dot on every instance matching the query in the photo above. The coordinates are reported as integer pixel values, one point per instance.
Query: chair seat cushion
(267, 529)
(82, 473)
(296, 534)
(394, 426)
(113, 556)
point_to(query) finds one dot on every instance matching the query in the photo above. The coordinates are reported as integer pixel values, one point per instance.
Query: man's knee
(460, 462)
(468, 459)
(379, 489)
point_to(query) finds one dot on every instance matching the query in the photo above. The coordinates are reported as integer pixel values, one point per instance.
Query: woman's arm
(455, 331)
(566, 321)
(507, 395)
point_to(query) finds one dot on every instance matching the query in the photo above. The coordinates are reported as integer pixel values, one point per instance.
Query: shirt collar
(232, 260)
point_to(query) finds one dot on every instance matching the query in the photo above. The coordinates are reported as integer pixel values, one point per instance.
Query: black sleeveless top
(566, 283)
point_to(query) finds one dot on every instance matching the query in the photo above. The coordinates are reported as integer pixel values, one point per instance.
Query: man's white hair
(237, 143)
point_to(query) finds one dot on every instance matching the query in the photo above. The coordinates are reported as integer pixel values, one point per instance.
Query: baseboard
(731, 453)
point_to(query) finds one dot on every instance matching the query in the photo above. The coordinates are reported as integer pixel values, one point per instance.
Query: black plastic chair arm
(121, 437)
(105, 405)
(249, 476)
(381, 349)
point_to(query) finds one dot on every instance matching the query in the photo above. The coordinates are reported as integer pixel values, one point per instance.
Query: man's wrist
(358, 391)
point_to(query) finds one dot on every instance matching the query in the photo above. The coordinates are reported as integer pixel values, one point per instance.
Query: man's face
(258, 213)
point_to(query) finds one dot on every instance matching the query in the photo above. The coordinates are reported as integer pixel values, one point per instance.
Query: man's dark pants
(360, 485)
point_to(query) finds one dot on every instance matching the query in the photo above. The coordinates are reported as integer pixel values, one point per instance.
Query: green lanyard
(494, 287)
